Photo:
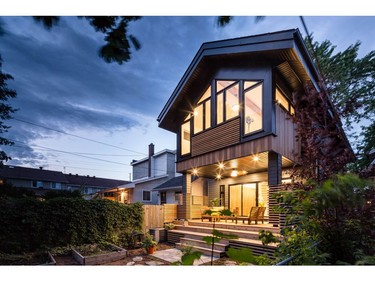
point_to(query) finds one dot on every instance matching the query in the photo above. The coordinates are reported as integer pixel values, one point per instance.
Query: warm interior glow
(244, 172)
(196, 112)
(234, 173)
(235, 107)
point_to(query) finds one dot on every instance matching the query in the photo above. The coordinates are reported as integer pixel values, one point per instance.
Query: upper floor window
(253, 112)
(283, 102)
(202, 112)
(185, 138)
(227, 100)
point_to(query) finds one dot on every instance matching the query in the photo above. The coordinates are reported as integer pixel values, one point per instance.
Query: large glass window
(202, 112)
(227, 100)
(185, 138)
(253, 120)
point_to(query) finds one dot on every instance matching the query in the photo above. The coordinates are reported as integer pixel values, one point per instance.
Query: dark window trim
(224, 92)
(260, 82)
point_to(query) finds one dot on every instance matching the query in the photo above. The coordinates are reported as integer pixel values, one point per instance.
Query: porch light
(234, 173)
(256, 158)
(195, 112)
(221, 165)
(195, 171)
(218, 177)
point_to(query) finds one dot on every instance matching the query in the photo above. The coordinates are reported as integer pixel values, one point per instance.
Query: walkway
(173, 255)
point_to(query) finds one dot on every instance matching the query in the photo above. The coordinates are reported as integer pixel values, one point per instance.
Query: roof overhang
(270, 48)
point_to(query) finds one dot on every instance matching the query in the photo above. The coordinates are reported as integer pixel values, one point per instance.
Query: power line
(62, 132)
(61, 151)
(79, 155)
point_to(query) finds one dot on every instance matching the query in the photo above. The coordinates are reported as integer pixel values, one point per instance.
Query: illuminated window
(227, 100)
(253, 113)
(202, 112)
(283, 102)
(185, 138)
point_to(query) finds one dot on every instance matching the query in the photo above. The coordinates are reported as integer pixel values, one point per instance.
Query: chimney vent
(151, 148)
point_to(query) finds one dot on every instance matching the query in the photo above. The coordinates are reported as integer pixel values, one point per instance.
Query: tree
(350, 82)
(118, 41)
(5, 110)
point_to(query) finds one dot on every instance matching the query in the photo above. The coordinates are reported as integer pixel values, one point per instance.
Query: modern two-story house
(232, 113)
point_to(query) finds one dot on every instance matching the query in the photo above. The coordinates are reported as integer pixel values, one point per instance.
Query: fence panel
(156, 215)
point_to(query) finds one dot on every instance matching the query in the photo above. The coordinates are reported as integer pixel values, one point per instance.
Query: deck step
(203, 250)
(200, 243)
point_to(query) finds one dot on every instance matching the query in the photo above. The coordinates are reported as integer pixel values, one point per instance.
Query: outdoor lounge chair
(256, 214)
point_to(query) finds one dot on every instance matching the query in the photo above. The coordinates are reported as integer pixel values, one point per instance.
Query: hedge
(28, 224)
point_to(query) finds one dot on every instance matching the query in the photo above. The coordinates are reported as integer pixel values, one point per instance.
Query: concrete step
(219, 246)
(203, 250)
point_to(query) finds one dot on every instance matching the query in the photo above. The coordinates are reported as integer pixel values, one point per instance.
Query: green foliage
(28, 224)
(226, 212)
(215, 202)
(50, 194)
(241, 255)
(115, 28)
(5, 110)
(208, 212)
(188, 256)
(267, 237)
(7, 190)
(337, 212)
(148, 241)
(169, 226)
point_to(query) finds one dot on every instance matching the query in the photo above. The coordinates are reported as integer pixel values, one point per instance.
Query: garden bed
(94, 254)
(27, 259)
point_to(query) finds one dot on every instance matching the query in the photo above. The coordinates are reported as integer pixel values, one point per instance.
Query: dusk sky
(63, 85)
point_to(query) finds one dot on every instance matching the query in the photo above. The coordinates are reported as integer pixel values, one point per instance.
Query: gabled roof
(93, 181)
(172, 184)
(23, 173)
(284, 49)
(15, 172)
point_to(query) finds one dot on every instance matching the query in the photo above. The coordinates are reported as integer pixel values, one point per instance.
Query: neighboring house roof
(22, 173)
(142, 180)
(172, 184)
(93, 181)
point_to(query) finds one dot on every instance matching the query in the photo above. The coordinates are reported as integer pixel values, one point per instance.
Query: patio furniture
(256, 214)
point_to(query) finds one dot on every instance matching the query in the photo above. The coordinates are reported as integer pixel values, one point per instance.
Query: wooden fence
(156, 215)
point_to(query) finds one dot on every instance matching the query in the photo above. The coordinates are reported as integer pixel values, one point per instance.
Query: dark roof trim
(287, 39)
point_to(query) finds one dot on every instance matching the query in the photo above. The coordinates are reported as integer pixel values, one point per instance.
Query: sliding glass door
(242, 197)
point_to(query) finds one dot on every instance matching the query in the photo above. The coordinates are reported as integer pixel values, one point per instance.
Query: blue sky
(62, 83)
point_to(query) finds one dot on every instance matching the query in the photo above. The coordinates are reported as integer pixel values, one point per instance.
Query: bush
(28, 224)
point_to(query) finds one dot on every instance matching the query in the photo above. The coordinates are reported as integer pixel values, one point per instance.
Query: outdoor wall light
(218, 176)
(195, 171)
(234, 173)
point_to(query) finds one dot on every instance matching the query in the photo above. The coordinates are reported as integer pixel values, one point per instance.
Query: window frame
(290, 103)
(244, 91)
(224, 93)
(143, 195)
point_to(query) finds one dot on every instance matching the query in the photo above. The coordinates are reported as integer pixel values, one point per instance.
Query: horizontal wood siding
(219, 137)
(286, 142)
(228, 153)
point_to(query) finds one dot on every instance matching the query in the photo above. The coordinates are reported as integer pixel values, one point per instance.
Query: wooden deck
(191, 233)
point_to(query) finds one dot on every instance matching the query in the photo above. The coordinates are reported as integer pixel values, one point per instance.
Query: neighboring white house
(148, 173)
